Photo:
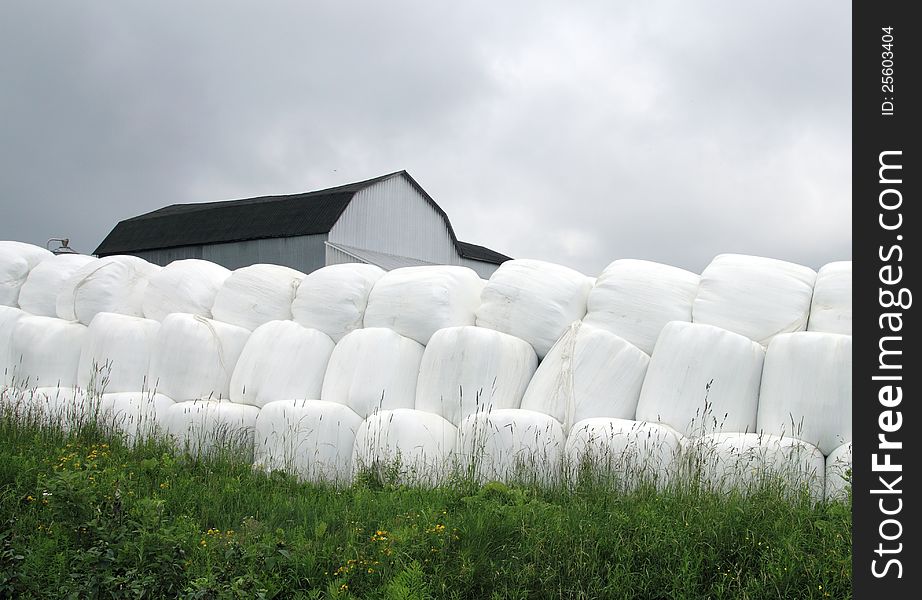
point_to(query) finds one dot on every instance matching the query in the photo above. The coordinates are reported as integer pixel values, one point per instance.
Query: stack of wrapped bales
(192, 362)
(464, 371)
(368, 370)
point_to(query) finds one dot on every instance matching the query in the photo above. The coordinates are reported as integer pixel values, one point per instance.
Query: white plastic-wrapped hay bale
(8, 365)
(754, 296)
(202, 426)
(748, 461)
(807, 389)
(194, 358)
(16, 260)
(416, 447)
(116, 353)
(47, 350)
(184, 286)
(634, 299)
(39, 293)
(418, 301)
(281, 361)
(838, 476)
(333, 299)
(136, 415)
(257, 294)
(831, 309)
(702, 379)
(373, 369)
(590, 372)
(111, 284)
(631, 452)
(533, 300)
(312, 439)
(470, 369)
(512, 445)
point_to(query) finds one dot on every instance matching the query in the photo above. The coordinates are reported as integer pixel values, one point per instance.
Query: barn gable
(380, 216)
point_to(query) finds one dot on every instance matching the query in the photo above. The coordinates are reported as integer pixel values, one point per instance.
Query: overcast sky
(577, 133)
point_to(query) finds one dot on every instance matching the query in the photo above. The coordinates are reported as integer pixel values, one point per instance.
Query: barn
(389, 221)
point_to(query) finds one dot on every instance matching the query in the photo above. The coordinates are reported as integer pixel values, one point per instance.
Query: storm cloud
(576, 133)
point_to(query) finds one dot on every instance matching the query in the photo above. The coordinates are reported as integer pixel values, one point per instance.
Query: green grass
(83, 516)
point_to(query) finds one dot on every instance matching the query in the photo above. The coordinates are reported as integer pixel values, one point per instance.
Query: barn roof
(481, 253)
(388, 262)
(291, 215)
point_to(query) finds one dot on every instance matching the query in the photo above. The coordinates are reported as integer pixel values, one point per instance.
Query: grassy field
(84, 516)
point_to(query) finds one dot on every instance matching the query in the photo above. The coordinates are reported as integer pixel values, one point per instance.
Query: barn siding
(484, 269)
(164, 256)
(393, 218)
(305, 253)
(335, 256)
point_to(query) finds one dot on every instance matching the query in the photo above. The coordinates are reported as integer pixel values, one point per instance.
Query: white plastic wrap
(116, 353)
(136, 415)
(418, 301)
(8, 364)
(831, 309)
(373, 369)
(281, 361)
(184, 286)
(202, 426)
(513, 445)
(701, 380)
(588, 373)
(333, 299)
(312, 439)
(634, 299)
(838, 476)
(193, 357)
(754, 296)
(807, 389)
(470, 369)
(111, 284)
(632, 452)
(39, 293)
(257, 294)
(533, 300)
(417, 447)
(16, 260)
(746, 461)
(48, 351)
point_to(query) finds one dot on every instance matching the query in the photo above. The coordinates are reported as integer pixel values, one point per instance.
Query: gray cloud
(670, 131)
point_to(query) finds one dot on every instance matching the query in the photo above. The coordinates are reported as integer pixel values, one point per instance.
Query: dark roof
(257, 218)
(475, 252)
(233, 220)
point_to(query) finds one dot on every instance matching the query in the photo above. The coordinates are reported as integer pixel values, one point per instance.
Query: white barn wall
(305, 253)
(394, 206)
(484, 269)
(164, 256)
(335, 256)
